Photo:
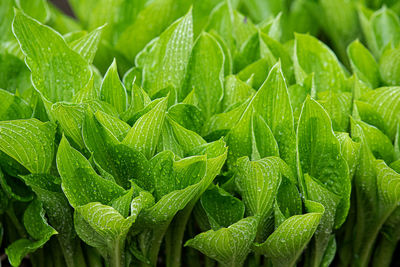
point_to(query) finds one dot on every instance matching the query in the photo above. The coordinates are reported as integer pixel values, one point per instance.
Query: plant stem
(365, 251)
(152, 243)
(384, 252)
(37, 258)
(174, 237)
(57, 256)
(93, 257)
(317, 250)
(72, 251)
(116, 255)
(257, 259)
(20, 229)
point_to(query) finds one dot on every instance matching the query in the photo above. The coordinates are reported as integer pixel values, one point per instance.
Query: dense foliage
(200, 132)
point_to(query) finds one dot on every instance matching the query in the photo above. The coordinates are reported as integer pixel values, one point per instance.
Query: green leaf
(164, 61)
(270, 47)
(6, 16)
(62, 22)
(101, 130)
(125, 163)
(251, 137)
(80, 182)
(112, 90)
(287, 242)
(150, 22)
(123, 203)
(363, 64)
(397, 144)
(319, 155)
(187, 115)
(178, 139)
(288, 198)
(30, 142)
(95, 135)
(104, 227)
(248, 53)
(365, 15)
(260, 10)
(388, 66)
(229, 246)
(183, 181)
(13, 107)
(297, 95)
(15, 188)
(313, 56)
(319, 193)
(169, 171)
(273, 104)
(274, 117)
(228, 64)
(370, 115)
(377, 196)
(220, 21)
(59, 214)
(38, 9)
(350, 151)
(178, 183)
(236, 91)
(201, 12)
(386, 101)
(116, 126)
(222, 208)
(385, 27)
(14, 74)
(257, 71)
(87, 45)
(216, 153)
(243, 28)
(70, 117)
(105, 220)
(89, 92)
(205, 74)
(340, 29)
(144, 134)
(57, 71)
(338, 106)
(330, 252)
(258, 183)
(220, 124)
(378, 143)
(37, 227)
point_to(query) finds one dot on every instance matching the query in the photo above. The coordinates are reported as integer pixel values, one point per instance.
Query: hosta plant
(200, 133)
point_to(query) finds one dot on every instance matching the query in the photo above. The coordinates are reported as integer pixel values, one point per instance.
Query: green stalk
(93, 257)
(311, 259)
(72, 251)
(257, 258)
(384, 252)
(9, 230)
(116, 254)
(20, 228)
(151, 243)
(57, 256)
(174, 236)
(345, 236)
(364, 253)
(49, 261)
(37, 258)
